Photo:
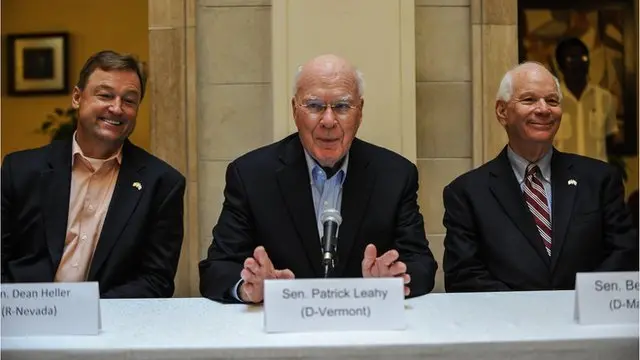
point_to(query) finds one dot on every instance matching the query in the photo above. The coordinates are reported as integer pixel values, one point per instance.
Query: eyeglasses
(317, 108)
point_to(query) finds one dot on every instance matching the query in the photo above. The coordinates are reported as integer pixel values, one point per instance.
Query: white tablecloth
(491, 326)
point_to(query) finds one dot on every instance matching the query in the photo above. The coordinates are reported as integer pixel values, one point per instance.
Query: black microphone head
(331, 215)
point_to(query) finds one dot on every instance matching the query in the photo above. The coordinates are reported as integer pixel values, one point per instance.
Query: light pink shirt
(92, 185)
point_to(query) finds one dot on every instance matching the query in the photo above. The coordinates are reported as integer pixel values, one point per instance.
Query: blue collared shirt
(327, 193)
(519, 166)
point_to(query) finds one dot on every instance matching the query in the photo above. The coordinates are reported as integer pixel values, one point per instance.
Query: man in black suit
(95, 207)
(270, 225)
(534, 217)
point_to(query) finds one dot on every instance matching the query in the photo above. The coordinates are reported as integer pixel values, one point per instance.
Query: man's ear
(501, 112)
(75, 97)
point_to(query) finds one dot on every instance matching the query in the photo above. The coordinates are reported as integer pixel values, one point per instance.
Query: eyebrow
(127, 92)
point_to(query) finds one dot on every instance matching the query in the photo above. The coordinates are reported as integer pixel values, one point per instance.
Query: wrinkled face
(532, 116)
(108, 106)
(327, 110)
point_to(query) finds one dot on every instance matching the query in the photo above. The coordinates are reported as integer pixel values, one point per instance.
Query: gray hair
(505, 91)
(359, 81)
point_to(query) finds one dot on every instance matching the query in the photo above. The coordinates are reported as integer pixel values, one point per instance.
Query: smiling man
(534, 217)
(270, 226)
(95, 207)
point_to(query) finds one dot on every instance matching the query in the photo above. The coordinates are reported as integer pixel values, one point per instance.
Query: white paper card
(50, 309)
(607, 298)
(334, 304)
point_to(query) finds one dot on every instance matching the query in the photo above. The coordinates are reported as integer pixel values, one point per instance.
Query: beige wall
(234, 94)
(443, 114)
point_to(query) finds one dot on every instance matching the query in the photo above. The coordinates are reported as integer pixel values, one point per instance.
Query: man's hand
(384, 266)
(256, 270)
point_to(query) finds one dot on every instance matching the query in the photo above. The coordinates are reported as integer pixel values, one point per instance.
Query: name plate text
(334, 304)
(607, 298)
(50, 309)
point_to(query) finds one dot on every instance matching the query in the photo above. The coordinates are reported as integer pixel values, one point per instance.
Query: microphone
(331, 220)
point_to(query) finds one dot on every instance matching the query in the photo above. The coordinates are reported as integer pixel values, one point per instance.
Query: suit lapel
(55, 185)
(293, 181)
(356, 192)
(505, 188)
(563, 196)
(123, 202)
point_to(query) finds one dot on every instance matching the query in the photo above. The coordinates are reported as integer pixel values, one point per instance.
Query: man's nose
(328, 118)
(542, 107)
(116, 106)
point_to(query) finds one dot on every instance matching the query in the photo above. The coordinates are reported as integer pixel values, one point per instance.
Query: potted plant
(60, 124)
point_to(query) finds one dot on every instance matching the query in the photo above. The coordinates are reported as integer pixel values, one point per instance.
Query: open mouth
(111, 121)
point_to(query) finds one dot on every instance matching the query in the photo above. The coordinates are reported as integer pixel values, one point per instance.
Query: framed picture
(608, 30)
(37, 64)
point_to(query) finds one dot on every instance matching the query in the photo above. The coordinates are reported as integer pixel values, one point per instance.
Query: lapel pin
(572, 182)
(137, 185)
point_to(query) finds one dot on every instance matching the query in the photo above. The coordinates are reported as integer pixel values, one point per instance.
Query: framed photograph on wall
(608, 29)
(38, 64)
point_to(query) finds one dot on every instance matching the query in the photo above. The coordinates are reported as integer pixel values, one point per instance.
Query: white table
(491, 326)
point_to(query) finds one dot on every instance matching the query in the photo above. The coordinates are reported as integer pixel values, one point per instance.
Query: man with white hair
(275, 197)
(534, 217)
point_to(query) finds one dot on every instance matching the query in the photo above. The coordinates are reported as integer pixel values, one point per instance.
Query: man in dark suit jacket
(495, 242)
(125, 232)
(273, 200)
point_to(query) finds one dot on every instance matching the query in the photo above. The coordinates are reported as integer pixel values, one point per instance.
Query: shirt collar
(76, 151)
(519, 165)
(312, 165)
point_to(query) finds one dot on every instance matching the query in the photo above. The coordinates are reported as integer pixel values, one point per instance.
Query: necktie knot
(532, 170)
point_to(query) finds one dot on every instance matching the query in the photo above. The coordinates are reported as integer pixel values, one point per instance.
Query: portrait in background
(598, 40)
(37, 64)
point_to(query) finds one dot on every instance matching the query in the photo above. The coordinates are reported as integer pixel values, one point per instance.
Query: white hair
(359, 81)
(505, 91)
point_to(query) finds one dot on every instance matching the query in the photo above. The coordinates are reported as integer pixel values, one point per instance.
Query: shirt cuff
(234, 291)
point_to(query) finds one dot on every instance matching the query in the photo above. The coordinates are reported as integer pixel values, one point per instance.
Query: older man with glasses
(277, 197)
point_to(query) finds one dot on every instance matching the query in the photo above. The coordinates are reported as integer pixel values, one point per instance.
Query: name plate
(50, 309)
(607, 298)
(334, 304)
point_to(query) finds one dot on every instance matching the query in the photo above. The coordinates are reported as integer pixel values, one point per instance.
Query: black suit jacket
(138, 249)
(492, 242)
(268, 202)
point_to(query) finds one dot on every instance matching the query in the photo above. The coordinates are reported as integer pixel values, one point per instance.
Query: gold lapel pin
(137, 185)
(572, 182)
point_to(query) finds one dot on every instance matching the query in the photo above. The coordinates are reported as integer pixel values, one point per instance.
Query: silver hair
(505, 91)
(359, 81)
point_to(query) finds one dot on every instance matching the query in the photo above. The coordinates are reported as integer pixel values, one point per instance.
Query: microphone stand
(329, 265)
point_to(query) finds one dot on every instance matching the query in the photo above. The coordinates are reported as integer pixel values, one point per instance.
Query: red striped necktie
(538, 205)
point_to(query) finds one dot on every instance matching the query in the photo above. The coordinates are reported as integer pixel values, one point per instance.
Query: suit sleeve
(464, 271)
(411, 242)
(7, 238)
(620, 237)
(233, 242)
(159, 263)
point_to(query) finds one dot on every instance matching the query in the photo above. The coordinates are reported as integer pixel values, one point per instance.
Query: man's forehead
(125, 78)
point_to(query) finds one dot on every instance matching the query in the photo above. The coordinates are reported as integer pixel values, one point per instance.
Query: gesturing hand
(384, 266)
(256, 270)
